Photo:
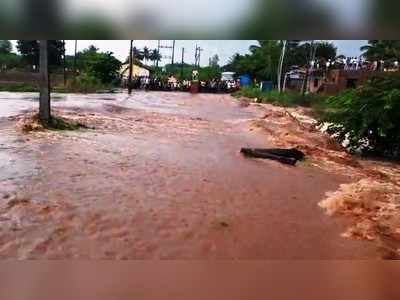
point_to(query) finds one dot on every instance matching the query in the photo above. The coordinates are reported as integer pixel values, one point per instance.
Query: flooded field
(160, 176)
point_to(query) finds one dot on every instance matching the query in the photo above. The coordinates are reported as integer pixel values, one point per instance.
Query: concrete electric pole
(130, 67)
(44, 100)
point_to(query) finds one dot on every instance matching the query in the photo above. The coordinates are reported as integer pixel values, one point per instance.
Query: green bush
(369, 116)
(249, 92)
(285, 99)
(19, 87)
(86, 83)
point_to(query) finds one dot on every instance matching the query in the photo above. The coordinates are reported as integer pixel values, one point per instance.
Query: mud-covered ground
(159, 175)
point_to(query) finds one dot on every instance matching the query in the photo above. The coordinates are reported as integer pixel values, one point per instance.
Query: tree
(146, 54)
(180, 71)
(137, 54)
(386, 50)
(369, 116)
(5, 47)
(326, 51)
(209, 73)
(44, 100)
(29, 50)
(214, 61)
(86, 57)
(298, 53)
(9, 61)
(262, 62)
(101, 65)
(105, 67)
(155, 56)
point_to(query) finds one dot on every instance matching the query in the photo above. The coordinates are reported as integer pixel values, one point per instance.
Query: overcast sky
(225, 49)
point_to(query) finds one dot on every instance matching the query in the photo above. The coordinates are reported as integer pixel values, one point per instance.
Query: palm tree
(44, 100)
(137, 54)
(382, 50)
(155, 56)
(146, 54)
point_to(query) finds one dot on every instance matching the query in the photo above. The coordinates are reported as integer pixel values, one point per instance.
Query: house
(294, 79)
(336, 81)
(137, 71)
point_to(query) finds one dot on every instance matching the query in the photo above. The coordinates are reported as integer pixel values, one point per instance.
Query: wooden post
(44, 101)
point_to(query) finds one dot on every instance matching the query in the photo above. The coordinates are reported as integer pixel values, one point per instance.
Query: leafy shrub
(19, 87)
(105, 67)
(86, 83)
(369, 116)
(285, 99)
(249, 92)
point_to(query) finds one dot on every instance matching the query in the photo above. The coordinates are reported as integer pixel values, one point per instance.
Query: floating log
(292, 153)
(285, 156)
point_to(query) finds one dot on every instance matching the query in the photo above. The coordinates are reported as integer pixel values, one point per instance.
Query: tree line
(263, 60)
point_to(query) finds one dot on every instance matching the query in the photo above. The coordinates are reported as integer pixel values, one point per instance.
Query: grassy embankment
(367, 117)
(69, 88)
(81, 84)
(287, 99)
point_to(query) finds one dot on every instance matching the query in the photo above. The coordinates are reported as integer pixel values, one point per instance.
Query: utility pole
(76, 49)
(130, 68)
(307, 76)
(173, 53)
(282, 58)
(169, 48)
(64, 64)
(197, 56)
(44, 100)
(158, 50)
(183, 61)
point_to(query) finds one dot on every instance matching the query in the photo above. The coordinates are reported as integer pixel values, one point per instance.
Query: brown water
(160, 176)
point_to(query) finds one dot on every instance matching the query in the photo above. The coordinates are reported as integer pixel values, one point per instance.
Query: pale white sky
(224, 48)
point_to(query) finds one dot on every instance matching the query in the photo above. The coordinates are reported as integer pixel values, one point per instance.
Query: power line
(170, 48)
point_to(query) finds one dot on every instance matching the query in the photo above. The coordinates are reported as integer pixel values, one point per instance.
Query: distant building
(228, 76)
(137, 71)
(328, 82)
(336, 81)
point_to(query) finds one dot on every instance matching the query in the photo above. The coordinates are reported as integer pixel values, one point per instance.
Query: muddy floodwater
(158, 176)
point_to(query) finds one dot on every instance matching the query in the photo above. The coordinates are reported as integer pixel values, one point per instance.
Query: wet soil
(158, 176)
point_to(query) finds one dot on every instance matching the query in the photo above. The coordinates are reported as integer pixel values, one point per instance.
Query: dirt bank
(371, 201)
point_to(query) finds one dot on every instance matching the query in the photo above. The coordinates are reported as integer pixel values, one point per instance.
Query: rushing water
(160, 176)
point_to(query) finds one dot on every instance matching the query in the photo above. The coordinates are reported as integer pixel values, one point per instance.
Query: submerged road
(159, 177)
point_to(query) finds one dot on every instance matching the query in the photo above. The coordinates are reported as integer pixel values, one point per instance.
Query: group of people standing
(356, 63)
(173, 84)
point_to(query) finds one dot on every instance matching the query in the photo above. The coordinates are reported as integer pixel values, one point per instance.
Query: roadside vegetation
(286, 99)
(368, 117)
(19, 88)
(92, 71)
